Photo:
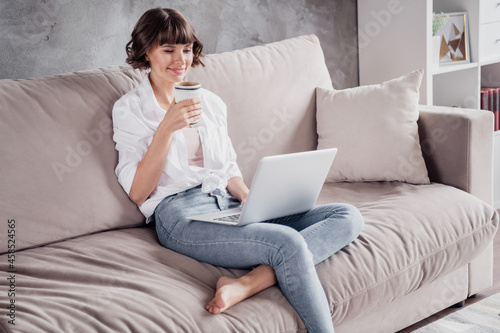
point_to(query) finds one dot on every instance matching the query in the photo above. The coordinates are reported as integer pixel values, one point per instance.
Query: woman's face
(170, 63)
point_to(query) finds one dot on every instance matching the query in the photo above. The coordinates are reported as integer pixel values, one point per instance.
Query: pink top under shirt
(193, 146)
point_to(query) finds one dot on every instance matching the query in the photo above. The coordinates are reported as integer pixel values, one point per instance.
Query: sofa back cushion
(57, 161)
(57, 156)
(270, 95)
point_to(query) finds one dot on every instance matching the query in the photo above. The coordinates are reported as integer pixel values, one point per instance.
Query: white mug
(187, 90)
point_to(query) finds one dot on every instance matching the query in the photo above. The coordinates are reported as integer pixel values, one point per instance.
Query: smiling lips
(177, 71)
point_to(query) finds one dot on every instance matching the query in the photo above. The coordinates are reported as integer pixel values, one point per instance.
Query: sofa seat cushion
(413, 235)
(124, 281)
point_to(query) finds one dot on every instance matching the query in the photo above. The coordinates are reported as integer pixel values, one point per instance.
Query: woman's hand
(180, 115)
(238, 189)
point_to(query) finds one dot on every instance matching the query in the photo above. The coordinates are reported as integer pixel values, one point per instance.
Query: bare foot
(229, 292)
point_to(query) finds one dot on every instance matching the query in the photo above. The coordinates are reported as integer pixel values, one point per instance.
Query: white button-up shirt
(136, 116)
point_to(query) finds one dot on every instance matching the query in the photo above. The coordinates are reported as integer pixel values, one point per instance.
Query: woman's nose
(179, 58)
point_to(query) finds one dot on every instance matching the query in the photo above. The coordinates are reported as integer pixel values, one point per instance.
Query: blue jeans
(292, 245)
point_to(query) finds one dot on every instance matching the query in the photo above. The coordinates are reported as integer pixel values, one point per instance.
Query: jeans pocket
(163, 232)
(163, 218)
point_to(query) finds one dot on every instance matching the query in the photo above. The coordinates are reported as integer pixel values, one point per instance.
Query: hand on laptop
(238, 189)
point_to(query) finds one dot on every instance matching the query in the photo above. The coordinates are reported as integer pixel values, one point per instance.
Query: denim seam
(164, 229)
(335, 216)
(226, 242)
(158, 223)
(292, 299)
(317, 213)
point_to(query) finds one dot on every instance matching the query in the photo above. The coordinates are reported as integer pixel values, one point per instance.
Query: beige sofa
(76, 255)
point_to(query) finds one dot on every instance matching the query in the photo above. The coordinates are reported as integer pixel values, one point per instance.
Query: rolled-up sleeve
(232, 170)
(131, 138)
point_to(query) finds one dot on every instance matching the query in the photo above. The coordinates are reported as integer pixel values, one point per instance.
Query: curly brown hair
(159, 26)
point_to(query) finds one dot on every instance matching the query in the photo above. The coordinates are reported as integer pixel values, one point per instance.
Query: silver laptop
(283, 185)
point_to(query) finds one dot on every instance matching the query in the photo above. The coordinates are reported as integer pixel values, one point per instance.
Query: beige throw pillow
(375, 130)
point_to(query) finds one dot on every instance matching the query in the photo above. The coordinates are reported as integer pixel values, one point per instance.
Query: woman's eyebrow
(173, 46)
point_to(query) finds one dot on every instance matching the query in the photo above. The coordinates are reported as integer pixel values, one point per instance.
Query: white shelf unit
(496, 163)
(395, 37)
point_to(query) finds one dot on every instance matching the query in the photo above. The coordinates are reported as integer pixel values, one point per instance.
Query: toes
(212, 307)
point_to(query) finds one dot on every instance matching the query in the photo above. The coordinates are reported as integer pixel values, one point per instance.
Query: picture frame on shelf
(454, 46)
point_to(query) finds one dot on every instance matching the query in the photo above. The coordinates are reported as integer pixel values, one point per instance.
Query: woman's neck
(163, 90)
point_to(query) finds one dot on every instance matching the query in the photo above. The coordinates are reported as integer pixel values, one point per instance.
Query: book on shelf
(490, 100)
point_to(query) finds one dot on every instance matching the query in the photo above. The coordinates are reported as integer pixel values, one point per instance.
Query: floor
(491, 291)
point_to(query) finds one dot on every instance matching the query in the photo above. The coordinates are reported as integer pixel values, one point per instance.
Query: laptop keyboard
(229, 218)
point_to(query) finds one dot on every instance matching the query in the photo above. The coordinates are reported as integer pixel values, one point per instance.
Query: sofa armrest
(457, 145)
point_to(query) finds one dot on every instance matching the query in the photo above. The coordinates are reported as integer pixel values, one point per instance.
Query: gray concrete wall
(48, 37)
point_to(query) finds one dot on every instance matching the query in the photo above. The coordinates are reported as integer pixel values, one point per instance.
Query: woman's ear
(147, 58)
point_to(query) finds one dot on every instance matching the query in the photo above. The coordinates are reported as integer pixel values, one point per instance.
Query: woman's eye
(187, 50)
(168, 51)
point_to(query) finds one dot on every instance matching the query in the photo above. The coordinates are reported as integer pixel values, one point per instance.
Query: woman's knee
(350, 218)
(291, 244)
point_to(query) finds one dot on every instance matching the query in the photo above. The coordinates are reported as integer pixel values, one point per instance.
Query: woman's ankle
(259, 279)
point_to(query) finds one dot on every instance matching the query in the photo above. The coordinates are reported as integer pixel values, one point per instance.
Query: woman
(172, 170)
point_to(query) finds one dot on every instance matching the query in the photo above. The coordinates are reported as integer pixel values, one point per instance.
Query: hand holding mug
(187, 90)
